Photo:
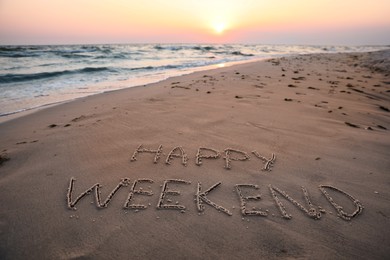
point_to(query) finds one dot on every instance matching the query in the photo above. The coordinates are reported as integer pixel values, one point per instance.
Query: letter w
(71, 204)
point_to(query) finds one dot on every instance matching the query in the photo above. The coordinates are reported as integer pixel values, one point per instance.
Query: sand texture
(284, 158)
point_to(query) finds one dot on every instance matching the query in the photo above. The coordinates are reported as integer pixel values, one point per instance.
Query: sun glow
(128, 21)
(219, 27)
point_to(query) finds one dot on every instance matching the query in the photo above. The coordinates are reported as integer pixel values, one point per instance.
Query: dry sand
(325, 117)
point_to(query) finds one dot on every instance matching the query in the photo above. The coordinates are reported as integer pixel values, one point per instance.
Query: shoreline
(149, 81)
(248, 161)
(140, 83)
(110, 71)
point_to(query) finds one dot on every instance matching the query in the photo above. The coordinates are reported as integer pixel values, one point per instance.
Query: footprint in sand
(4, 158)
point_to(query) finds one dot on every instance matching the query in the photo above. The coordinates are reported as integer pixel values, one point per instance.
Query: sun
(219, 27)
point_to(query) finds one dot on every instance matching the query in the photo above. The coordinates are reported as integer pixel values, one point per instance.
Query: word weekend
(201, 198)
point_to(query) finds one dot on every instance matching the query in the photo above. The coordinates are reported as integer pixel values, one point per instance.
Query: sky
(335, 22)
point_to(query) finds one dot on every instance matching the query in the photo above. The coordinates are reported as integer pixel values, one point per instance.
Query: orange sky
(204, 21)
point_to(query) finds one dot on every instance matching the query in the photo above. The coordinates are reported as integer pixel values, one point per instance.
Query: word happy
(230, 155)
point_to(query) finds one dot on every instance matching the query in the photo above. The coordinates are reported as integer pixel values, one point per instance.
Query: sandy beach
(282, 158)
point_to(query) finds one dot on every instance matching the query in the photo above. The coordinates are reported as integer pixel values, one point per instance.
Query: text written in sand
(247, 193)
(229, 155)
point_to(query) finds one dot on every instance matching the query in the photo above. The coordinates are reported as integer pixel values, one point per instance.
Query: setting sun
(219, 27)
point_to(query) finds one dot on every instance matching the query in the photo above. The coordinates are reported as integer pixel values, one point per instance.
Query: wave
(238, 53)
(164, 67)
(13, 48)
(101, 52)
(217, 49)
(169, 47)
(204, 48)
(21, 51)
(10, 78)
(73, 55)
(114, 56)
(184, 47)
(18, 54)
(82, 51)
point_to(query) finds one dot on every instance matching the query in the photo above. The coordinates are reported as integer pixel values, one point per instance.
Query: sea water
(36, 76)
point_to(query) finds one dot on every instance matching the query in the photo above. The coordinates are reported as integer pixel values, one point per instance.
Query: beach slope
(283, 158)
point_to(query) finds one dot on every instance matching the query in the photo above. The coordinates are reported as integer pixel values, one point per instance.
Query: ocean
(37, 76)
